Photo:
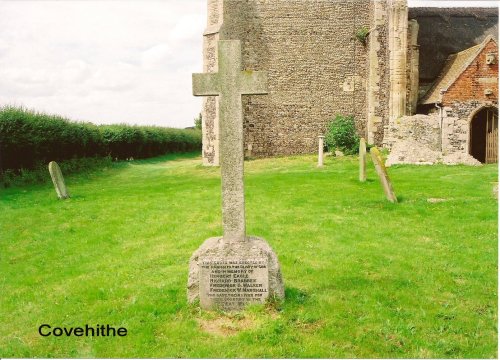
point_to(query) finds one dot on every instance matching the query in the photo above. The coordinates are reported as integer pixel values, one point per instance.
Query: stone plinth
(230, 275)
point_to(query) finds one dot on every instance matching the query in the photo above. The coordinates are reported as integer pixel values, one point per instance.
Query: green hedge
(28, 139)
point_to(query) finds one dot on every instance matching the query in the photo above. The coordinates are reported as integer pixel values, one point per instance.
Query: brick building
(467, 92)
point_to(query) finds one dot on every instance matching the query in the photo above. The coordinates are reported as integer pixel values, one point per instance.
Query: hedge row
(28, 138)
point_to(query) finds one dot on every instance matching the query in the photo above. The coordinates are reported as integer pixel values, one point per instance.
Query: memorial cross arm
(206, 84)
(253, 82)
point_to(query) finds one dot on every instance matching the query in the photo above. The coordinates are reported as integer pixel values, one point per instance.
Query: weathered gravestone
(320, 150)
(58, 180)
(362, 160)
(382, 174)
(234, 270)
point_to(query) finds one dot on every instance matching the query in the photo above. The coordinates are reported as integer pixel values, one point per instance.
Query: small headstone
(362, 160)
(339, 153)
(58, 180)
(234, 270)
(382, 174)
(320, 150)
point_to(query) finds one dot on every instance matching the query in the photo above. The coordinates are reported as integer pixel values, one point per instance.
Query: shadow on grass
(167, 157)
(295, 296)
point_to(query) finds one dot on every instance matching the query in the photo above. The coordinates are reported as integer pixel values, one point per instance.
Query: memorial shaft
(229, 84)
(231, 144)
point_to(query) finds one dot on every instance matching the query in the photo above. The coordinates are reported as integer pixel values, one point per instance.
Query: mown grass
(364, 278)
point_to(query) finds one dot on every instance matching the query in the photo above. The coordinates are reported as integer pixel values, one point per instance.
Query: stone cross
(229, 84)
(362, 160)
(382, 174)
(320, 150)
(58, 180)
(234, 270)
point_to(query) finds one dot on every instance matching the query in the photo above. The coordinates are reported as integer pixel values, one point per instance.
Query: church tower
(323, 58)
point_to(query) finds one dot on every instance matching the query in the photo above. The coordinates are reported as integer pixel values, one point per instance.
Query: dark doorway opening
(484, 135)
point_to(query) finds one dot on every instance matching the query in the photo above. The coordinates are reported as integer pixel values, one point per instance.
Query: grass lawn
(363, 277)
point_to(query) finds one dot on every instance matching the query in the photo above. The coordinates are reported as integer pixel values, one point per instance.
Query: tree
(197, 122)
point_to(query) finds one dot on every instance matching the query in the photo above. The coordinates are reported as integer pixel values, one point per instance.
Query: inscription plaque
(233, 283)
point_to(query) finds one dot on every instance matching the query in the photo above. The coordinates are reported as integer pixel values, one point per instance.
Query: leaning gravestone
(362, 160)
(58, 180)
(234, 270)
(382, 174)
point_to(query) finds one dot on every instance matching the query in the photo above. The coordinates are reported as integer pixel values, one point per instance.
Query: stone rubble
(411, 152)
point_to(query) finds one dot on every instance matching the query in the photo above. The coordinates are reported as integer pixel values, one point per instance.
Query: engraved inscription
(231, 284)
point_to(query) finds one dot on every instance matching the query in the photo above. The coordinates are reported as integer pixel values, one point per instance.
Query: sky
(119, 61)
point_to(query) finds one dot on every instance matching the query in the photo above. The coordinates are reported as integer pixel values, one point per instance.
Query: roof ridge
(474, 52)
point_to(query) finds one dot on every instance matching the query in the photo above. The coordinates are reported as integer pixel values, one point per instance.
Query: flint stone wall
(423, 129)
(378, 79)
(316, 68)
(456, 127)
(417, 139)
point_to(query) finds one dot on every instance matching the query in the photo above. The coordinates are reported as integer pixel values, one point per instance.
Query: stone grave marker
(234, 270)
(382, 174)
(320, 150)
(58, 180)
(362, 160)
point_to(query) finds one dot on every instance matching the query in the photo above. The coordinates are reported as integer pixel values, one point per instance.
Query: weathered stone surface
(320, 150)
(378, 75)
(217, 262)
(460, 159)
(229, 83)
(295, 41)
(424, 129)
(210, 113)
(412, 152)
(412, 67)
(362, 160)
(415, 153)
(232, 271)
(382, 174)
(58, 180)
(398, 38)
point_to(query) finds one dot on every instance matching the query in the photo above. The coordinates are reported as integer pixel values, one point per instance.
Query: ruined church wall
(412, 58)
(316, 69)
(379, 77)
(209, 110)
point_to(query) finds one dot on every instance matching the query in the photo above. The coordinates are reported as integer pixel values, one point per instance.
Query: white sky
(110, 61)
